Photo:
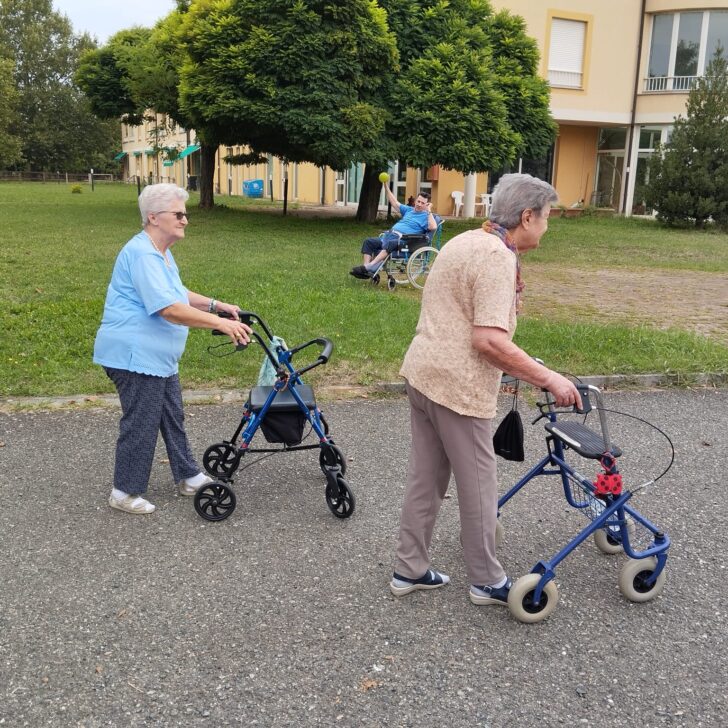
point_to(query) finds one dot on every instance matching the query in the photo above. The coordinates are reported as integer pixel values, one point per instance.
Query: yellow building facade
(619, 73)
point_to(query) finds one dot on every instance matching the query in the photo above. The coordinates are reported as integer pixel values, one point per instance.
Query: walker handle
(217, 332)
(323, 357)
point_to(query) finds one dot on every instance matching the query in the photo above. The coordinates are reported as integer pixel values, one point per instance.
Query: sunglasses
(178, 215)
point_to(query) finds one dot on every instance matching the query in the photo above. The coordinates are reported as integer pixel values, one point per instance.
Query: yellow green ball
(384, 178)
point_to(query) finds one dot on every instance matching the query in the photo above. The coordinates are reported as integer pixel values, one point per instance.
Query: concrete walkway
(281, 616)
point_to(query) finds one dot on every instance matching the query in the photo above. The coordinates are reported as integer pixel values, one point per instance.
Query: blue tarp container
(253, 188)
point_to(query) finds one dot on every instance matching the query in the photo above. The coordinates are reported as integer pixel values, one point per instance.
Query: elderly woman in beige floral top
(452, 369)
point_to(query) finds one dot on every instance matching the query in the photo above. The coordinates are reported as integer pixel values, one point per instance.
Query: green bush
(76, 189)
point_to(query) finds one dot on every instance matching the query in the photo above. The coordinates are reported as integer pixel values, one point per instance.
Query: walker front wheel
(339, 497)
(633, 580)
(522, 605)
(215, 502)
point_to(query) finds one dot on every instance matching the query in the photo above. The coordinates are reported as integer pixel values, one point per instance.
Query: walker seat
(284, 401)
(581, 439)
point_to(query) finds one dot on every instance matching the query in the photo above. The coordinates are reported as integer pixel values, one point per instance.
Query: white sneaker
(186, 489)
(132, 504)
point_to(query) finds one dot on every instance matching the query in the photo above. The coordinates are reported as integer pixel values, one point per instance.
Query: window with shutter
(566, 53)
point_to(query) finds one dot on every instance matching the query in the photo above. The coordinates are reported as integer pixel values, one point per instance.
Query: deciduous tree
(289, 78)
(50, 116)
(10, 144)
(467, 95)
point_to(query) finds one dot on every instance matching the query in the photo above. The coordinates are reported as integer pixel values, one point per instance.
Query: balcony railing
(564, 79)
(670, 84)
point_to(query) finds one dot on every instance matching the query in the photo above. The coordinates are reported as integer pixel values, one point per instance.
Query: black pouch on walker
(508, 438)
(284, 421)
(286, 427)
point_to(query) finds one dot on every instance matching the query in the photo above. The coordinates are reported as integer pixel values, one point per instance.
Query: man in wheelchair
(417, 220)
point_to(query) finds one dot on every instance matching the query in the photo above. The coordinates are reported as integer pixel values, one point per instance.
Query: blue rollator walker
(615, 526)
(281, 412)
(412, 261)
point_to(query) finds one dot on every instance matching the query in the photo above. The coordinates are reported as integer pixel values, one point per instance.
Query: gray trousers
(443, 442)
(149, 405)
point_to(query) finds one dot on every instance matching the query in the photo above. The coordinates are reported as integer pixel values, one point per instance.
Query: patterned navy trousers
(149, 405)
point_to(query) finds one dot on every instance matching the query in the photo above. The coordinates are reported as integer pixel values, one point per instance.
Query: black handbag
(508, 437)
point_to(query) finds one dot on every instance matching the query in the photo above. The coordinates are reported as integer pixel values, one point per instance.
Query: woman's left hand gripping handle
(231, 326)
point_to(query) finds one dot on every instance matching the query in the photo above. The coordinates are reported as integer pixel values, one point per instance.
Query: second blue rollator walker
(280, 411)
(615, 525)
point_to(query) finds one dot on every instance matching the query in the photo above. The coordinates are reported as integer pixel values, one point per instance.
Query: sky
(103, 18)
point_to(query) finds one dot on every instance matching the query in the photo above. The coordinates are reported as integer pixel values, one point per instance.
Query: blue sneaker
(482, 595)
(401, 585)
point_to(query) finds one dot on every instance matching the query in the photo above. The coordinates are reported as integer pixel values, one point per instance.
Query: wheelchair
(412, 261)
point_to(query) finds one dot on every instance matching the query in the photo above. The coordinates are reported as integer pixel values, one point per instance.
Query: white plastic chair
(483, 205)
(457, 202)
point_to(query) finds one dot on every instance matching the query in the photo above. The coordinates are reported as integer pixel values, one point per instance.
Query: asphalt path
(281, 615)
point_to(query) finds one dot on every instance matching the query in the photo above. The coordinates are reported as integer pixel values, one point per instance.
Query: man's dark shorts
(388, 241)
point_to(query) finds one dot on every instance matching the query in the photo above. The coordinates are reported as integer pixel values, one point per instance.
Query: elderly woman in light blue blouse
(141, 338)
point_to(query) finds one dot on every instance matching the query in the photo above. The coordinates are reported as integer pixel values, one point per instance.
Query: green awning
(168, 163)
(188, 150)
(137, 154)
(119, 156)
(150, 152)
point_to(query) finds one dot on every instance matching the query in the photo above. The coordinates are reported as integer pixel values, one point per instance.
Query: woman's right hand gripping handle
(563, 390)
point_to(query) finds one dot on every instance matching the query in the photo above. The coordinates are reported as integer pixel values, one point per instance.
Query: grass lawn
(57, 250)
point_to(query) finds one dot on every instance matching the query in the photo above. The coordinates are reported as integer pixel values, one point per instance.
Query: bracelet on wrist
(212, 306)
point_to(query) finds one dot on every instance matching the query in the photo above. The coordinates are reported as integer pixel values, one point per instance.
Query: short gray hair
(156, 198)
(515, 193)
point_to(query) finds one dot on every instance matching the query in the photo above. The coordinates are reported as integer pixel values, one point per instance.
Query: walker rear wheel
(331, 458)
(339, 497)
(633, 580)
(608, 543)
(498, 533)
(221, 460)
(520, 599)
(215, 502)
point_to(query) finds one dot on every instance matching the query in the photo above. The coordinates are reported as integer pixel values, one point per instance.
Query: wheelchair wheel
(520, 599)
(331, 458)
(419, 266)
(215, 502)
(339, 497)
(221, 460)
(633, 576)
(396, 270)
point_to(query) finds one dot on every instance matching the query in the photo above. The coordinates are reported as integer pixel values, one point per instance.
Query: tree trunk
(207, 176)
(371, 188)
(285, 190)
